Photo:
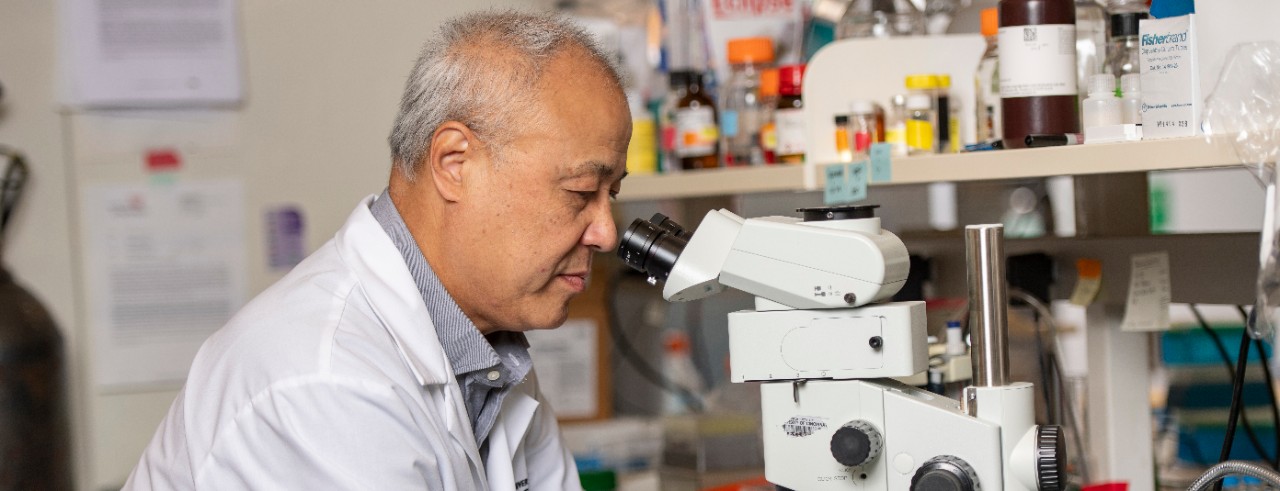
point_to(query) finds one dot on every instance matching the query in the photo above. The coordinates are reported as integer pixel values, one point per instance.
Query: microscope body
(826, 348)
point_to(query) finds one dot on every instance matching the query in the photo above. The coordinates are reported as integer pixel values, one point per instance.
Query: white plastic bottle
(1131, 99)
(1102, 108)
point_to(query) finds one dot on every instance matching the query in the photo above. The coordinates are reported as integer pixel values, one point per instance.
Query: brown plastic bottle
(697, 138)
(1037, 69)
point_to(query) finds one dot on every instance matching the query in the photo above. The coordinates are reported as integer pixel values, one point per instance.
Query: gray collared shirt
(487, 367)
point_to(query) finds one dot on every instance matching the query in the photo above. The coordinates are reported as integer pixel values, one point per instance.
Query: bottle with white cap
(1131, 98)
(1102, 108)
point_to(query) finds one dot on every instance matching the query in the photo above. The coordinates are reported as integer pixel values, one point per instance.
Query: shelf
(1155, 155)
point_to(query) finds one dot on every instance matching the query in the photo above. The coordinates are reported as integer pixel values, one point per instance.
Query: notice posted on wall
(126, 53)
(165, 268)
(568, 367)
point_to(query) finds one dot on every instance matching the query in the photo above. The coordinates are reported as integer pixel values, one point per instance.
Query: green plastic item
(598, 480)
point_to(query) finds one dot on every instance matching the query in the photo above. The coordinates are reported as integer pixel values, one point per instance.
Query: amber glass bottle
(789, 118)
(697, 133)
(1037, 69)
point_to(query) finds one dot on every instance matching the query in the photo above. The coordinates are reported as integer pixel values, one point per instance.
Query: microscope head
(835, 257)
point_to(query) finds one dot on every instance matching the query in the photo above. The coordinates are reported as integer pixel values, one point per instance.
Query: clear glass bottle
(740, 105)
(987, 78)
(1091, 42)
(862, 127)
(880, 19)
(1123, 47)
(895, 133)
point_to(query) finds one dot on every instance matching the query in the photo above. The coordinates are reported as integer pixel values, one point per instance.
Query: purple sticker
(286, 244)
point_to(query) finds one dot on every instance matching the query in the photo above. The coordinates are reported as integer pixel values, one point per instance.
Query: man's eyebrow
(598, 169)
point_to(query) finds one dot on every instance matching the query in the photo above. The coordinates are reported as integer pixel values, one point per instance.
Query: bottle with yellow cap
(741, 111)
(922, 113)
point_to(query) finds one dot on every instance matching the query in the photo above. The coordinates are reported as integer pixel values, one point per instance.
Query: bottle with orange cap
(741, 117)
(789, 117)
(987, 80)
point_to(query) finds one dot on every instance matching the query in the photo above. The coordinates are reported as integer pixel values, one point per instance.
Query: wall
(323, 80)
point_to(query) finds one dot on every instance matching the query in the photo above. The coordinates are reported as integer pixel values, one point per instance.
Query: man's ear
(453, 146)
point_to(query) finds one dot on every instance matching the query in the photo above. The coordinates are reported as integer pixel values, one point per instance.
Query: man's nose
(602, 233)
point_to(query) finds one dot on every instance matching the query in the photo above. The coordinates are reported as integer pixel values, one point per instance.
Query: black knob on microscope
(856, 443)
(945, 473)
(1051, 458)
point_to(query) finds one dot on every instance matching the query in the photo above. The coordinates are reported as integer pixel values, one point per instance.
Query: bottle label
(790, 131)
(920, 135)
(1037, 60)
(696, 132)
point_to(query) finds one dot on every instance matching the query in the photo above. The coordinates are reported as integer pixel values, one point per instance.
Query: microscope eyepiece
(653, 246)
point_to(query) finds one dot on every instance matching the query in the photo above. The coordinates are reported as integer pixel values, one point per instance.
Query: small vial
(1131, 98)
(895, 133)
(1102, 108)
(920, 135)
(955, 340)
(843, 138)
(862, 126)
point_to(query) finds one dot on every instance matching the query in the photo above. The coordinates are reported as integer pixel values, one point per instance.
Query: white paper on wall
(126, 53)
(164, 267)
(567, 364)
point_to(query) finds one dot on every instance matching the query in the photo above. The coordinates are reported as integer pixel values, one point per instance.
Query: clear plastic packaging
(1245, 106)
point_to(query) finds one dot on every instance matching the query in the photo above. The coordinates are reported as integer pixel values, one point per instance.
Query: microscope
(825, 342)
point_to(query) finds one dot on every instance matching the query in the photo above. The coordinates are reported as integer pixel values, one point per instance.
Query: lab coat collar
(389, 288)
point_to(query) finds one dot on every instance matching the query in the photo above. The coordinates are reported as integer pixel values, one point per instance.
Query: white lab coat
(334, 378)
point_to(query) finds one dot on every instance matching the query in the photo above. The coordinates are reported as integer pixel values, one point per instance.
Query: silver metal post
(988, 301)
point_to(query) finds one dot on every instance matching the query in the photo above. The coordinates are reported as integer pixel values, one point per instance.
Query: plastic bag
(1245, 106)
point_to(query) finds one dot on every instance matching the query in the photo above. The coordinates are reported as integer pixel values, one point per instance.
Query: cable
(1231, 370)
(1215, 474)
(646, 370)
(1271, 388)
(1237, 393)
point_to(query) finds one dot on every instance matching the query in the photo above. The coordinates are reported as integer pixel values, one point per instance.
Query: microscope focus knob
(1051, 462)
(945, 473)
(856, 443)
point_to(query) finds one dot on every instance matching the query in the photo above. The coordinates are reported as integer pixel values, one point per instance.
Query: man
(393, 358)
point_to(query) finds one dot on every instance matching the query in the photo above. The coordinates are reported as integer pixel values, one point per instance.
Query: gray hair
(480, 71)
